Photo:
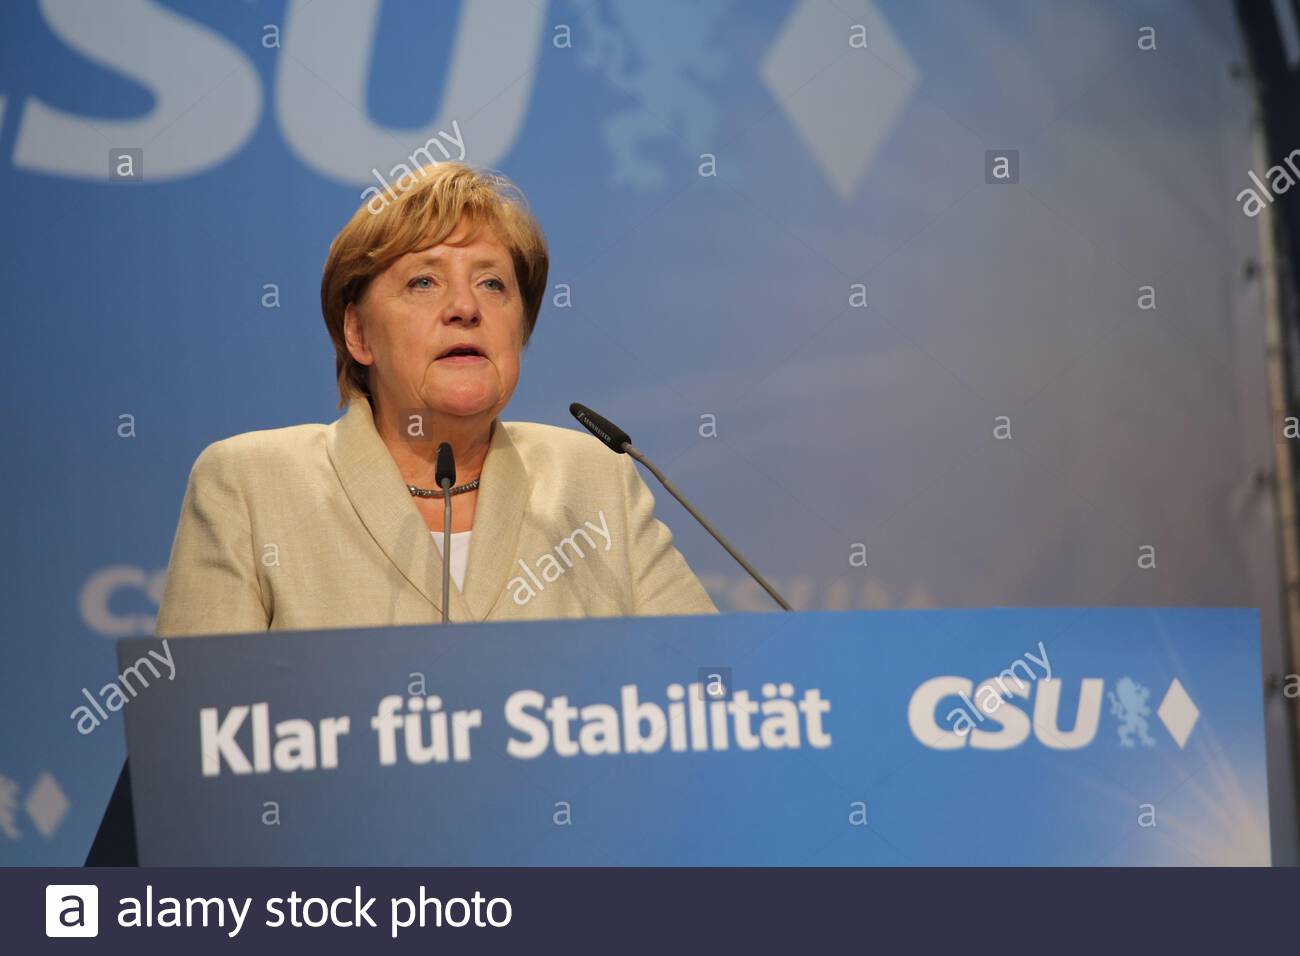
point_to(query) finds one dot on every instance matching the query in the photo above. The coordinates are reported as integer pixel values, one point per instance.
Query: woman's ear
(354, 334)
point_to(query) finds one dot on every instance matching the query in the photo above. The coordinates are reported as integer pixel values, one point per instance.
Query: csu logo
(951, 713)
(209, 98)
(107, 597)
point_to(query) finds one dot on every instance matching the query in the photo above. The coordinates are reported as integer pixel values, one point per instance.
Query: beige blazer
(312, 527)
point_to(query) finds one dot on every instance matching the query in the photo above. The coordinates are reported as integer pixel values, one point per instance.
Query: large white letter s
(208, 96)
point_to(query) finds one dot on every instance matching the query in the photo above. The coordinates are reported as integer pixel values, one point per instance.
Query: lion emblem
(660, 56)
(1128, 702)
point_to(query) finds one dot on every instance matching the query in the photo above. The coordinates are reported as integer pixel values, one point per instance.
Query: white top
(459, 554)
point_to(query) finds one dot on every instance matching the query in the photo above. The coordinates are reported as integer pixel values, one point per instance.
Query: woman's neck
(412, 438)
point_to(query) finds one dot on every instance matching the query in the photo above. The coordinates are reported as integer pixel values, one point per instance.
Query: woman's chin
(463, 405)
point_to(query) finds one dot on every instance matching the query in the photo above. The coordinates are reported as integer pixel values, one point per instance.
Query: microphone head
(609, 433)
(445, 471)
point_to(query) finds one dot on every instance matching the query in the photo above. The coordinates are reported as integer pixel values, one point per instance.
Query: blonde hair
(425, 214)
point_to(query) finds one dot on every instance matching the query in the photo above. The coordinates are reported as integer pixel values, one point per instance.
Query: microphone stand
(617, 440)
(446, 475)
(672, 490)
(446, 550)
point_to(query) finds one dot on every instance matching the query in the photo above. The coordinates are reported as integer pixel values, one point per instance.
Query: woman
(429, 302)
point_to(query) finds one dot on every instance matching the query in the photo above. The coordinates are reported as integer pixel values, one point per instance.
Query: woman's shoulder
(533, 436)
(561, 449)
(263, 449)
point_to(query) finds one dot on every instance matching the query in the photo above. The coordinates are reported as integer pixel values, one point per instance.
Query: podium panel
(1082, 736)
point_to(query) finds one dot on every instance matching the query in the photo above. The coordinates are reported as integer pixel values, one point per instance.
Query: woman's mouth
(462, 355)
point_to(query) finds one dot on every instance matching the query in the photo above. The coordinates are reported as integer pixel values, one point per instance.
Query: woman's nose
(463, 309)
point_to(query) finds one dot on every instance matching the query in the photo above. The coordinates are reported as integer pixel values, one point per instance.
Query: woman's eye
(496, 285)
(421, 282)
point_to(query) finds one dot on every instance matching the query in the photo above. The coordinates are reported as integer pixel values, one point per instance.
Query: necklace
(438, 493)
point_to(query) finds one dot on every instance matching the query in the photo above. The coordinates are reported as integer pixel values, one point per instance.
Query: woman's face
(459, 293)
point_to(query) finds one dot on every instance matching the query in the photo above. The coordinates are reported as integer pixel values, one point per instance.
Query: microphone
(600, 426)
(615, 438)
(445, 475)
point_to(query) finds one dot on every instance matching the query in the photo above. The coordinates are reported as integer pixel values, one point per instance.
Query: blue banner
(984, 737)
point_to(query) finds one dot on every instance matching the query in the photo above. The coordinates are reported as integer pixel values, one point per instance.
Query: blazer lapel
(373, 484)
(498, 518)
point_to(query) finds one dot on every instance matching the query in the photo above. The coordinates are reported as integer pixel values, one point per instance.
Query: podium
(1078, 736)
